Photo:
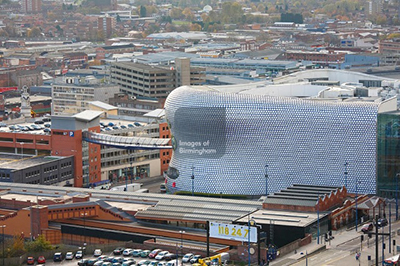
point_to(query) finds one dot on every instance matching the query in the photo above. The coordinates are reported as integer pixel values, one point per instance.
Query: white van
(143, 190)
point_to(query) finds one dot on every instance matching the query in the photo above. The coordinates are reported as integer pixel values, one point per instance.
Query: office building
(73, 95)
(139, 79)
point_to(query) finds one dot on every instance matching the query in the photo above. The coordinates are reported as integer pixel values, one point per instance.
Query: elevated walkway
(128, 143)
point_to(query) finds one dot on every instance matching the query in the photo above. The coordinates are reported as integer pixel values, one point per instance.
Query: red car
(30, 261)
(41, 259)
(154, 253)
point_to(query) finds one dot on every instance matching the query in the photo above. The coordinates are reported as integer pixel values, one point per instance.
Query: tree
(16, 247)
(188, 14)
(40, 244)
(143, 11)
(118, 18)
(34, 32)
(195, 27)
(231, 12)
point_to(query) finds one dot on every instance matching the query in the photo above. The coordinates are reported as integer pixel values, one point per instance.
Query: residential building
(31, 6)
(106, 24)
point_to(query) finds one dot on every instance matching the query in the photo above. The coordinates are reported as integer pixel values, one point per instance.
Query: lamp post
(192, 180)
(181, 232)
(345, 174)
(3, 226)
(248, 248)
(84, 214)
(266, 180)
(356, 203)
(126, 179)
(131, 161)
(397, 196)
(318, 220)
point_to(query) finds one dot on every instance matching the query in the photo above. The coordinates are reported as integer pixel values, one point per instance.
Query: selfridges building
(229, 142)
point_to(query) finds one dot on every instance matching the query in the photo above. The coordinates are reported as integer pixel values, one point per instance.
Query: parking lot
(74, 262)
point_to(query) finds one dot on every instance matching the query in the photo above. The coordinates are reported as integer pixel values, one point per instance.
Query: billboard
(233, 232)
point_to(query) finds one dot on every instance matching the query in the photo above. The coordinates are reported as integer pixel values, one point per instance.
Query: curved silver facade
(228, 139)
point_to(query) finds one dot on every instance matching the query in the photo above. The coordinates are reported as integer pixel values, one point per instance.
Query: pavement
(341, 250)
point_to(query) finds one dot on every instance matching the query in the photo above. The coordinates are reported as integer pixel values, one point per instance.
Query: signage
(233, 232)
(71, 133)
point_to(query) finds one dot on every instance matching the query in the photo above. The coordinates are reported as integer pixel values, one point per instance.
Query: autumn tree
(34, 32)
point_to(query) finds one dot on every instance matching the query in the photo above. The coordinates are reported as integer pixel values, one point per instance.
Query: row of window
(32, 174)
(67, 164)
(50, 169)
(68, 173)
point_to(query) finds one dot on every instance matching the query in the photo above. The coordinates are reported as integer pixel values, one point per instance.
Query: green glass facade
(388, 154)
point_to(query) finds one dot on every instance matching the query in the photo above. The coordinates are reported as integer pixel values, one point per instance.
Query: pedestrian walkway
(339, 241)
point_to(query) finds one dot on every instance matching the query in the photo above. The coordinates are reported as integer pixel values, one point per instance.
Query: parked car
(117, 259)
(367, 227)
(91, 262)
(83, 262)
(98, 263)
(171, 263)
(57, 256)
(41, 259)
(154, 253)
(127, 252)
(136, 252)
(144, 253)
(382, 222)
(97, 252)
(187, 257)
(144, 262)
(195, 259)
(128, 263)
(160, 256)
(107, 263)
(103, 257)
(30, 261)
(69, 255)
(79, 254)
(170, 256)
(161, 263)
(153, 263)
(118, 251)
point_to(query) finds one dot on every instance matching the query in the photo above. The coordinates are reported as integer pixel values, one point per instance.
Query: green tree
(40, 244)
(231, 12)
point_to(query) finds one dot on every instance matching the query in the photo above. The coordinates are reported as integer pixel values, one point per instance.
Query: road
(344, 254)
(151, 183)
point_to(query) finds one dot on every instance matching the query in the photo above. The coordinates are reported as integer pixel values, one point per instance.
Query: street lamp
(397, 196)
(192, 180)
(356, 203)
(181, 232)
(126, 179)
(131, 161)
(266, 180)
(3, 226)
(250, 222)
(345, 174)
(318, 220)
(84, 214)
